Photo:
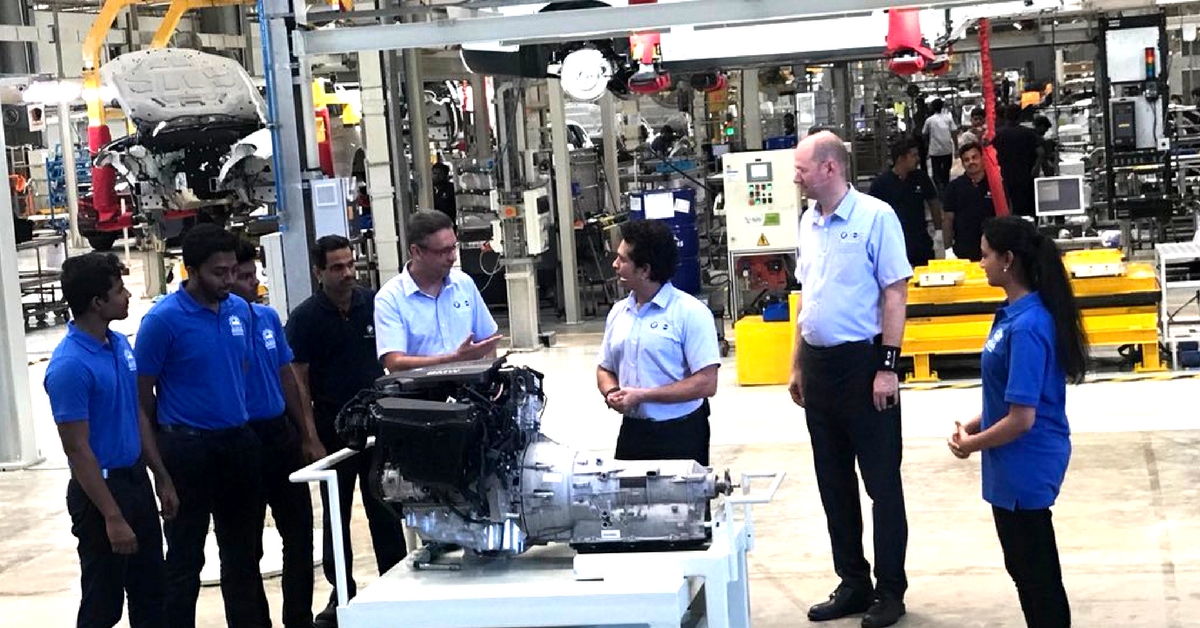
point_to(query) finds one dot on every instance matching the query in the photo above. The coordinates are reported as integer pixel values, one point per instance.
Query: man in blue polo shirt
(92, 384)
(289, 441)
(659, 357)
(432, 313)
(193, 352)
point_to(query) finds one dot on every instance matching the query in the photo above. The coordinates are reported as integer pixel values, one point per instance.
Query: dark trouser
(845, 426)
(685, 438)
(386, 534)
(940, 164)
(1031, 558)
(918, 245)
(216, 473)
(106, 578)
(291, 506)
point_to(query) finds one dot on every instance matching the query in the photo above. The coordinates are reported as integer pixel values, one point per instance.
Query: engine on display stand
(458, 449)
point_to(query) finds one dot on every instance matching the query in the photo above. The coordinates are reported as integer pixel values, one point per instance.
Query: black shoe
(327, 618)
(885, 611)
(845, 600)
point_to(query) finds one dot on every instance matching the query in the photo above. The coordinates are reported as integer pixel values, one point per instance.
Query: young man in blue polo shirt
(92, 384)
(289, 441)
(432, 313)
(193, 352)
(659, 357)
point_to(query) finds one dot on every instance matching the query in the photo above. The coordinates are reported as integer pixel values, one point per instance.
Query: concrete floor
(1128, 519)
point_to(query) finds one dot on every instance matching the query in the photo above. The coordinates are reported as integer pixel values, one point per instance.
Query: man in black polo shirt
(908, 190)
(1019, 151)
(332, 335)
(968, 204)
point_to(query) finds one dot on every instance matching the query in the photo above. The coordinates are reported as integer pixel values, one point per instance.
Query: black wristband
(611, 391)
(889, 357)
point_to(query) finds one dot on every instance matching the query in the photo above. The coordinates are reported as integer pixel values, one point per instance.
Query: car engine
(458, 450)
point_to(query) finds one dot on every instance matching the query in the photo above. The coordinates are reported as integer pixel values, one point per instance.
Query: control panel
(762, 203)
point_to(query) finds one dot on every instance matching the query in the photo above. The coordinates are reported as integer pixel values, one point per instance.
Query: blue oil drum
(683, 227)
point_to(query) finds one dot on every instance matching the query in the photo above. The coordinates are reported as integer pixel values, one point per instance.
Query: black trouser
(106, 578)
(291, 506)
(844, 427)
(918, 245)
(386, 534)
(940, 164)
(685, 438)
(216, 473)
(1031, 558)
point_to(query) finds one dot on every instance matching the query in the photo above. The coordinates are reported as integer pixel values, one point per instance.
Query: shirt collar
(662, 298)
(358, 297)
(845, 209)
(85, 340)
(410, 285)
(1021, 305)
(190, 305)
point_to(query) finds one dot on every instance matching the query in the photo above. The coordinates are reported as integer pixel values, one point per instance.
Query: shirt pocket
(848, 258)
(661, 341)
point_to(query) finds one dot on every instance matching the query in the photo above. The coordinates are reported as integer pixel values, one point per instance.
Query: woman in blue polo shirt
(1035, 347)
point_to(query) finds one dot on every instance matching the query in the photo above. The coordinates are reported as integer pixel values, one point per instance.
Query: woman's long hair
(1040, 268)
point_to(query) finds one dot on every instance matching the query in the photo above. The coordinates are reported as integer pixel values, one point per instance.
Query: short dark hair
(425, 223)
(936, 105)
(901, 147)
(246, 251)
(86, 277)
(1042, 122)
(326, 245)
(979, 112)
(205, 240)
(653, 245)
(969, 146)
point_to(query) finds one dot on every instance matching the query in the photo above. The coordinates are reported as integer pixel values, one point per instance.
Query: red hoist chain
(991, 165)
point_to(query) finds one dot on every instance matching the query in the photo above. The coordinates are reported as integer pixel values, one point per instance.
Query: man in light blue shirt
(853, 271)
(659, 357)
(432, 313)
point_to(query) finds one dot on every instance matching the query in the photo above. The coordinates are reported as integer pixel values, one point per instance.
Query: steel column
(286, 120)
(378, 158)
(71, 180)
(563, 201)
(414, 89)
(612, 181)
(401, 173)
(17, 446)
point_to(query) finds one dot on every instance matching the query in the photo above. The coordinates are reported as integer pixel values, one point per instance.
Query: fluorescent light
(52, 92)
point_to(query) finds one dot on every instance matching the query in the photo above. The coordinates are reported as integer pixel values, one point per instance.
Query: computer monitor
(1058, 196)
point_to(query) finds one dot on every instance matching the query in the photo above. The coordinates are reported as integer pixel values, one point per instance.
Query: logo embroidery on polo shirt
(130, 361)
(268, 337)
(990, 346)
(370, 331)
(849, 236)
(235, 326)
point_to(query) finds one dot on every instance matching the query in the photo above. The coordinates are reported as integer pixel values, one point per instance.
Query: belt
(266, 420)
(124, 473)
(702, 408)
(192, 431)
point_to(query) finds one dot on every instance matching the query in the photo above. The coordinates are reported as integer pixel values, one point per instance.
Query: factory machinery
(457, 451)
(951, 308)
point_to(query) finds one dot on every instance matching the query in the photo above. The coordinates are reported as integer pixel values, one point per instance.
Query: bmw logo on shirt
(235, 326)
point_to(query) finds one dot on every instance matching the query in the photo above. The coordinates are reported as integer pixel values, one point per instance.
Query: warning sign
(762, 240)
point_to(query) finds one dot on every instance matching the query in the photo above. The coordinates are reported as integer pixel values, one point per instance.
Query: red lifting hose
(991, 166)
